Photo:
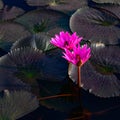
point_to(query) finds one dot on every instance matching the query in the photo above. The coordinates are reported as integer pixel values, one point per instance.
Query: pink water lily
(73, 52)
(65, 40)
(78, 56)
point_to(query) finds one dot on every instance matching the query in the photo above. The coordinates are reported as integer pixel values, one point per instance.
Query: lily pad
(113, 9)
(101, 74)
(16, 104)
(10, 32)
(1, 4)
(107, 1)
(29, 64)
(45, 20)
(67, 5)
(38, 2)
(96, 26)
(10, 13)
(40, 41)
(19, 65)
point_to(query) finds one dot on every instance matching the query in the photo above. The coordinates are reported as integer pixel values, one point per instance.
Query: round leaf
(10, 32)
(96, 26)
(101, 75)
(45, 20)
(16, 104)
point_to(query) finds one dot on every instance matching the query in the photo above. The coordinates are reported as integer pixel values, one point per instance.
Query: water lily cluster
(73, 51)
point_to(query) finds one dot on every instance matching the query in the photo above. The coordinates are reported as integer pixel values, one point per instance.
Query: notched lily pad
(113, 9)
(16, 104)
(107, 1)
(28, 65)
(10, 32)
(10, 13)
(67, 5)
(37, 2)
(96, 26)
(39, 41)
(20, 65)
(45, 20)
(100, 74)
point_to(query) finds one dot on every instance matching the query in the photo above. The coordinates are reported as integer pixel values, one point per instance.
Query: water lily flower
(65, 41)
(74, 53)
(78, 56)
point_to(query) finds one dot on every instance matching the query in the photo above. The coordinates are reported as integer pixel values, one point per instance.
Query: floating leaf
(96, 26)
(38, 2)
(113, 9)
(10, 13)
(28, 65)
(101, 75)
(10, 32)
(67, 5)
(16, 104)
(1, 4)
(19, 65)
(107, 1)
(22, 43)
(45, 20)
(40, 41)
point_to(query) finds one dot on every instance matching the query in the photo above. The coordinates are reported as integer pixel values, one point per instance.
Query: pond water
(99, 99)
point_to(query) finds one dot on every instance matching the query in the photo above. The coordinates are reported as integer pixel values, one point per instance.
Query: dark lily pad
(40, 41)
(10, 13)
(96, 26)
(45, 20)
(38, 2)
(100, 75)
(20, 65)
(16, 104)
(107, 1)
(67, 5)
(22, 43)
(62, 5)
(28, 65)
(10, 32)
(113, 9)
(1, 4)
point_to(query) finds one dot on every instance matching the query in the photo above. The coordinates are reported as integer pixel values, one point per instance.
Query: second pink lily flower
(78, 56)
